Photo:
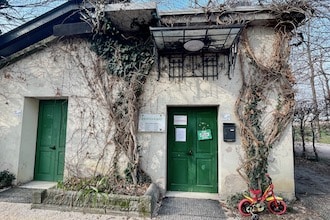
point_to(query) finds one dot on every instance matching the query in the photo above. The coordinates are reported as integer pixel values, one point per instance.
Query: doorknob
(190, 153)
(52, 148)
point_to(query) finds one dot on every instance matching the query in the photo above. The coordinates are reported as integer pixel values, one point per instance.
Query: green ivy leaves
(125, 56)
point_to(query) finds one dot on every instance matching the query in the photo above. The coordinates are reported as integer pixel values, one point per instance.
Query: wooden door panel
(60, 164)
(206, 165)
(204, 172)
(45, 167)
(49, 163)
(179, 176)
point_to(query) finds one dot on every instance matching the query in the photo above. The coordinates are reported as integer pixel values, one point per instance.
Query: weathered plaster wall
(28, 139)
(55, 72)
(281, 165)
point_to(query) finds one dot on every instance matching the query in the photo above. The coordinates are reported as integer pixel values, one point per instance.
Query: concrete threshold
(38, 185)
(193, 195)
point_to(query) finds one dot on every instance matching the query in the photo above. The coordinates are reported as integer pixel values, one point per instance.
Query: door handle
(53, 147)
(190, 153)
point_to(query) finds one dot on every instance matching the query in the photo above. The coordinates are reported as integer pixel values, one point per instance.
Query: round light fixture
(193, 45)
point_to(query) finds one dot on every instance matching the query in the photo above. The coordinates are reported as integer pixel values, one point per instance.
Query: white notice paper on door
(180, 134)
(180, 120)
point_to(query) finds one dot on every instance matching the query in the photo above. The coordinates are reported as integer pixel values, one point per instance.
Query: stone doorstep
(143, 206)
(39, 197)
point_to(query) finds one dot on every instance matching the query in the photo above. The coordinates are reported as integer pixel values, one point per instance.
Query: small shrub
(103, 184)
(233, 200)
(6, 178)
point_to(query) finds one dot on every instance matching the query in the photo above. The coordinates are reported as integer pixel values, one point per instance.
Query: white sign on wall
(152, 123)
(226, 117)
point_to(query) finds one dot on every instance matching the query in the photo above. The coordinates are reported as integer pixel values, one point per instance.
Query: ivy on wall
(130, 59)
(125, 56)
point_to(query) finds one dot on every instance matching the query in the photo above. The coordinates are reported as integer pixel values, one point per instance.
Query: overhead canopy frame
(216, 38)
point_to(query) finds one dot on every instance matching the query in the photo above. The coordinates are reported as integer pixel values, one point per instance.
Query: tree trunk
(313, 138)
(326, 87)
(312, 80)
(293, 139)
(302, 134)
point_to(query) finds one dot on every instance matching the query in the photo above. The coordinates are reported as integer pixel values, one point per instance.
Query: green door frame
(192, 149)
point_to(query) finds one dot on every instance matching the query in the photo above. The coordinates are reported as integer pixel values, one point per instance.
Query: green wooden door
(192, 150)
(49, 163)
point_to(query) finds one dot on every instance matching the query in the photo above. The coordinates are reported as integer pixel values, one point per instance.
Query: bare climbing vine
(266, 102)
(263, 84)
(129, 61)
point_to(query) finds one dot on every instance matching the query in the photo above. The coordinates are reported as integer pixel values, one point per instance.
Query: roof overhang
(65, 20)
(129, 17)
(36, 30)
(213, 38)
(215, 30)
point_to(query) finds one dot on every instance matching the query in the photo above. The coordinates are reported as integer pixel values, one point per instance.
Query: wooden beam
(72, 29)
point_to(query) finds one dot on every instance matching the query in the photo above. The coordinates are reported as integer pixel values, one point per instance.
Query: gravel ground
(312, 185)
(23, 211)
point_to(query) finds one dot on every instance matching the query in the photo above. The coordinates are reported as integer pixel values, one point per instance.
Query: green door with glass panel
(49, 162)
(192, 149)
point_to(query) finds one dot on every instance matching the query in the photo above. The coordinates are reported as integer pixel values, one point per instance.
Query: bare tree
(301, 113)
(305, 116)
(309, 59)
(313, 140)
(312, 74)
(16, 12)
(326, 85)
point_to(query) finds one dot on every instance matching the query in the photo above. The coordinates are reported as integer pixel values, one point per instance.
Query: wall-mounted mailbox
(229, 132)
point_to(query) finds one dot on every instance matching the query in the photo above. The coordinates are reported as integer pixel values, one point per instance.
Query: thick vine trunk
(260, 80)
